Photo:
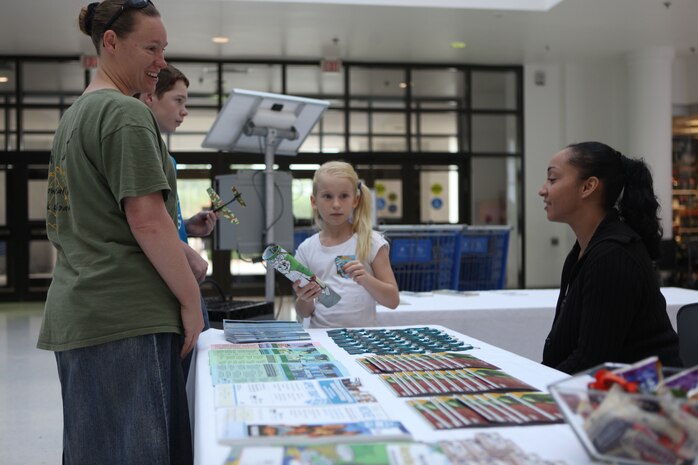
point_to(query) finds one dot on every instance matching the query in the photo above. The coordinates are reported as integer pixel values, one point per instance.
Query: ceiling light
(220, 40)
(403, 85)
(457, 44)
(4, 79)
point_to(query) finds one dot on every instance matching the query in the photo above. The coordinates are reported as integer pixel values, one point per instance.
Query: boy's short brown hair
(167, 78)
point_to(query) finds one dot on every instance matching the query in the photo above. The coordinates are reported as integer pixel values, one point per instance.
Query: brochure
(241, 331)
(275, 347)
(480, 410)
(379, 453)
(293, 393)
(286, 264)
(225, 357)
(470, 380)
(263, 372)
(419, 362)
(481, 449)
(308, 424)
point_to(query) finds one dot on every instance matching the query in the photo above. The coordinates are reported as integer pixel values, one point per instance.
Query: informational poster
(434, 193)
(388, 194)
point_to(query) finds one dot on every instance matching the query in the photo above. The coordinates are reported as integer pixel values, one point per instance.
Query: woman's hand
(198, 265)
(193, 322)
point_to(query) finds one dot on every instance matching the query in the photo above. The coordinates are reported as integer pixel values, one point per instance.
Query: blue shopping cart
(482, 258)
(423, 256)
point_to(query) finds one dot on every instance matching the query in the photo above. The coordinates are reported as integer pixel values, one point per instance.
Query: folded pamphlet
(287, 265)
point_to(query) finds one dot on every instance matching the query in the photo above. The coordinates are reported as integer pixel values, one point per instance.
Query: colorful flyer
(263, 372)
(287, 265)
(464, 411)
(307, 424)
(340, 261)
(293, 393)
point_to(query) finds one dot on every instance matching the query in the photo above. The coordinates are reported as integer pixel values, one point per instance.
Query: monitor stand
(272, 138)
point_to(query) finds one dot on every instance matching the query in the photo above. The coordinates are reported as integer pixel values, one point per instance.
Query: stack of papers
(243, 331)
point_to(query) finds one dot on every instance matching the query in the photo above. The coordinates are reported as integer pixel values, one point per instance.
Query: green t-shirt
(107, 147)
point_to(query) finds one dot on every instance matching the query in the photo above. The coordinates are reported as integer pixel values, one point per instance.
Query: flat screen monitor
(263, 110)
(248, 237)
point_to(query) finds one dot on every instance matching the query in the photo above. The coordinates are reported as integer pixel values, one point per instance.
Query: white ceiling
(472, 4)
(572, 30)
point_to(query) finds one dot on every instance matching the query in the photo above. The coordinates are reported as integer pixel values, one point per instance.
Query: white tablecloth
(550, 441)
(515, 320)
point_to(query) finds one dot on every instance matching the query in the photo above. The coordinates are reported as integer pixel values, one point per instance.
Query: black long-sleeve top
(610, 308)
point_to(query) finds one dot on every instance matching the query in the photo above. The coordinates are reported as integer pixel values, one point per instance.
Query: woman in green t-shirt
(124, 306)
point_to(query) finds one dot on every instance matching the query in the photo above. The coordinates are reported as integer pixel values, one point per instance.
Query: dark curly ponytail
(627, 186)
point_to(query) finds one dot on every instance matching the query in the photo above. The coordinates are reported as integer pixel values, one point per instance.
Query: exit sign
(331, 65)
(89, 61)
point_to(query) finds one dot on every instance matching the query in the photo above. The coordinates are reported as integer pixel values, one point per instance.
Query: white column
(649, 119)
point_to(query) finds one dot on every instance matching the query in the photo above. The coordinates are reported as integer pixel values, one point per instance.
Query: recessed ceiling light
(220, 40)
(457, 44)
(4, 79)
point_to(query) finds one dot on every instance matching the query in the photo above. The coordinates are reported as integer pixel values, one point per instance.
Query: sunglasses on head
(128, 4)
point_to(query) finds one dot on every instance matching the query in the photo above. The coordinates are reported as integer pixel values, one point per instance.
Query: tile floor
(31, 424)
(31, 419)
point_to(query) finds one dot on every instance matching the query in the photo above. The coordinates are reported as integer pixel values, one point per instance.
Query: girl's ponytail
(361, 223)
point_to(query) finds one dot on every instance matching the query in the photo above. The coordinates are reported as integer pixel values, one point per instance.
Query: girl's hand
(307, 293)
(356, 271)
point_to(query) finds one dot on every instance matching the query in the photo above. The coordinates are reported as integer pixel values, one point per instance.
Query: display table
(549, 441)
(515, 320)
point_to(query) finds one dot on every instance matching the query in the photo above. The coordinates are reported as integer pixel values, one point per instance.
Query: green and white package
(287, 265)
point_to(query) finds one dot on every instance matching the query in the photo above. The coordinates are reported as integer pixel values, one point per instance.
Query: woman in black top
(610, 308)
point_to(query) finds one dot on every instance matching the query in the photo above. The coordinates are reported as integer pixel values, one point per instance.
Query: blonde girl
(346, 253)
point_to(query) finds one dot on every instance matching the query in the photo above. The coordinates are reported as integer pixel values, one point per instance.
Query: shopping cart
(423, 256)
(482, 258)
(300, 234)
